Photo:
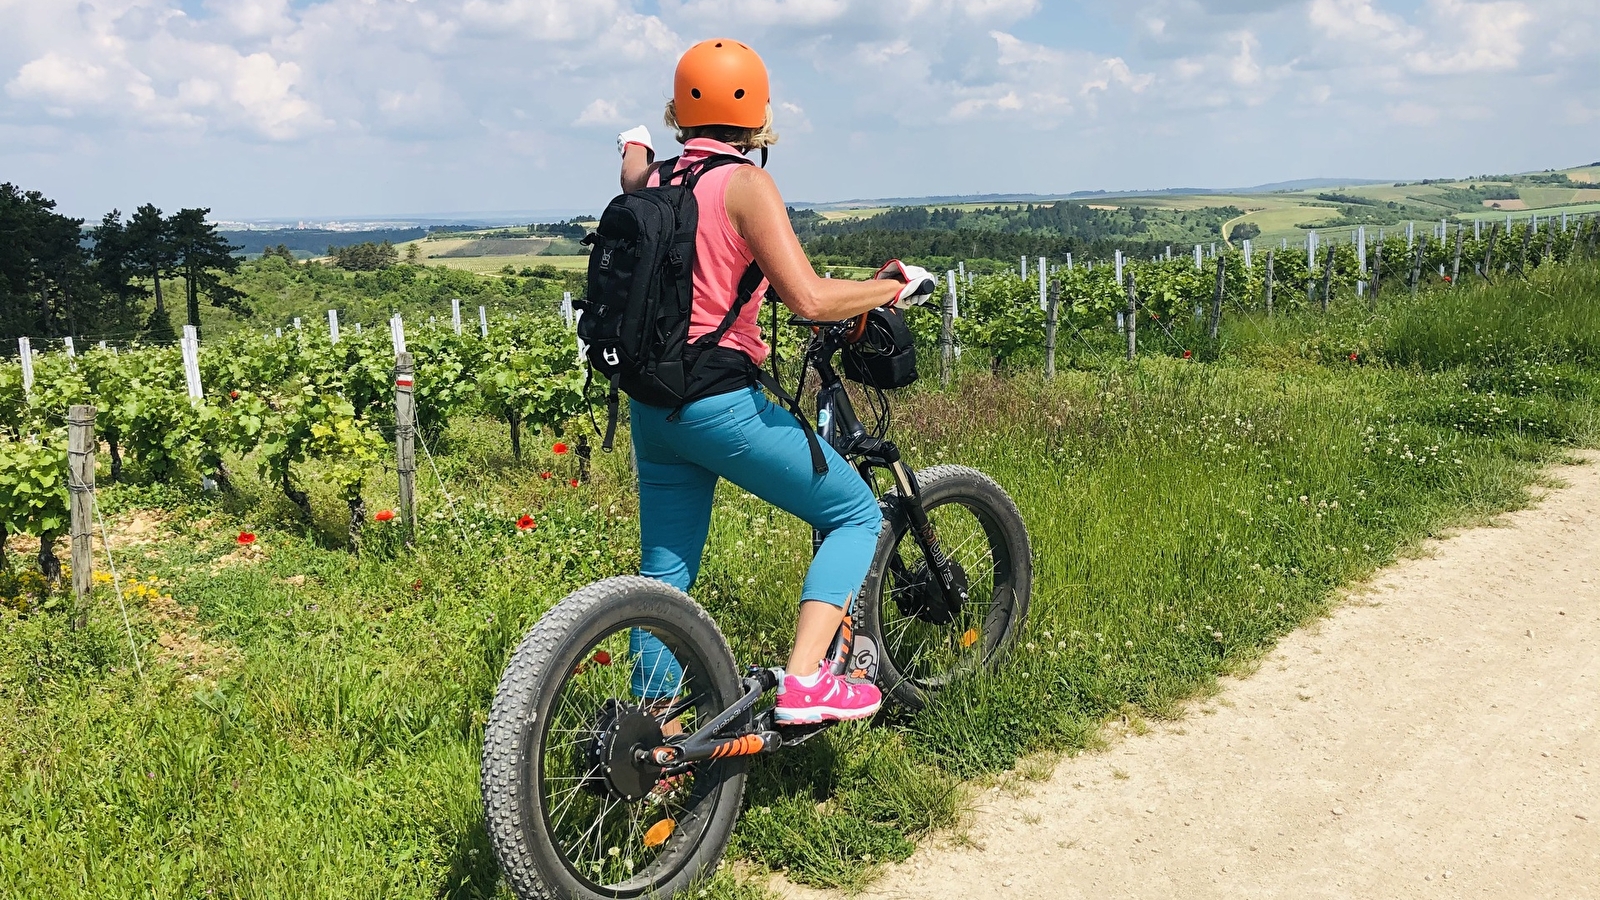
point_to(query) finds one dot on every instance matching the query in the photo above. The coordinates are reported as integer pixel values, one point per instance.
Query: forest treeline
(1001, 234)
(59, 278)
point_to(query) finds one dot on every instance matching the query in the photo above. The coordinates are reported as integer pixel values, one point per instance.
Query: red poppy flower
(1447, 279)
(233, 395)
(246, 538)
(416, 585)
(383, 515)
(602, 657)
(574, 482)
(559, 449)
(545, 475)
(1188, 354)
(526, 522)
(1352, 357)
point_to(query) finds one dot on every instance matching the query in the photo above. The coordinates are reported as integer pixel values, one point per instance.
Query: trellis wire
(116, 583)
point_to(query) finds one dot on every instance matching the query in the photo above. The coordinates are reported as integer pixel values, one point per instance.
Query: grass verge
(308, 721)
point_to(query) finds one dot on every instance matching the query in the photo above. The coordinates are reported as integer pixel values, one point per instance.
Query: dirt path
(1436, 737)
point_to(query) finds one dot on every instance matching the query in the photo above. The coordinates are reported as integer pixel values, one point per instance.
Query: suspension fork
(922, 530)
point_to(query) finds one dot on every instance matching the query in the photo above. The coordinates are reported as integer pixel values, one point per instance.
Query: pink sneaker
(827, 699)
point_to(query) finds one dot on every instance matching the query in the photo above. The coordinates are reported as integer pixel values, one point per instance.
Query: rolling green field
(1281, 216)
(304, 721)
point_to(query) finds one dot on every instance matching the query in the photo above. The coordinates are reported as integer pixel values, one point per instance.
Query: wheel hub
(922, 598)
(610, 765)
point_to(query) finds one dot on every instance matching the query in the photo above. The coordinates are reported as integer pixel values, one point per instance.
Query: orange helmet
(721, 82)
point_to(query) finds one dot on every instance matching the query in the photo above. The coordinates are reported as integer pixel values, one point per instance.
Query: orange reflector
(659, 832)
(970, 638)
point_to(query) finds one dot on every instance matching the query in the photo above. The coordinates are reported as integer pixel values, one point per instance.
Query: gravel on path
(1435, 737)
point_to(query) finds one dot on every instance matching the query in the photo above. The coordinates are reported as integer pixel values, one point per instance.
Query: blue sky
(323, 108)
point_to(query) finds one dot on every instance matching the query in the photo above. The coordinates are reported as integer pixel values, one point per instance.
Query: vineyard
(280, 692)
(322, 400)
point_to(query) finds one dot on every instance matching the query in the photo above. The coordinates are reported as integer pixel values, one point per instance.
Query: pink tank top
(721, 257)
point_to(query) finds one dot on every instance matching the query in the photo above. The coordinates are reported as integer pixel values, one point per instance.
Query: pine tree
(201, 254)
(150, 243)
(44, 278)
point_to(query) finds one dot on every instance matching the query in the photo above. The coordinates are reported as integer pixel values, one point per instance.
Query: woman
(721, 105)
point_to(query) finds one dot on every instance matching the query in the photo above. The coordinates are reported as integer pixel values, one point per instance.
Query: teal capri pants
(755, 443)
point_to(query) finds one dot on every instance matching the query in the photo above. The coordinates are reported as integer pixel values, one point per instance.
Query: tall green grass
(1183, 515)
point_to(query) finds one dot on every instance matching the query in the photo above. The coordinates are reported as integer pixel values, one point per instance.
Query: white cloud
(150, 71)
(1244, 69)
(1360, 20)
(600, 112)
(792, 118)
(1477, 37)
(254, 18)
(62, 83)
(1455, 37)
(1115, 72)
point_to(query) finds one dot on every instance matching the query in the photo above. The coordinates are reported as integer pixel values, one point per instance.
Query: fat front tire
(913, 648)
(533, 709)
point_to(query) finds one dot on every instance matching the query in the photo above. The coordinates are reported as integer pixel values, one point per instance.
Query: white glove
(638, 135)
(919, 283)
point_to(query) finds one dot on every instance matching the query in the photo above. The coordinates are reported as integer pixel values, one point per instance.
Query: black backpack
(640, 293)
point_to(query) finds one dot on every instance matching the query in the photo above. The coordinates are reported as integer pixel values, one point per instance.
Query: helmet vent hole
(719, 43)
(739, 94)
(696, 93)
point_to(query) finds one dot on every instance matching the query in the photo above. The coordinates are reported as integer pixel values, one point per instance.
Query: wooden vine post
(1216, 298)
(1488, 251)
(1377, 276)
(80, 486)
(1455, 268)
(405, 440)
(1327, 278)
(1522, 257)
(1133, 318)
(1051, 313)
(1269, 282)
(1416, 267)
(947, 334)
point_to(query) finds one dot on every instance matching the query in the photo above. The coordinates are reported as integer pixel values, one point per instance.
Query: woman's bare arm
(756, 209)
(636, 167)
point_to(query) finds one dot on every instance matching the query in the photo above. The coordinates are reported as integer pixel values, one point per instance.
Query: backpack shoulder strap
(692, 172)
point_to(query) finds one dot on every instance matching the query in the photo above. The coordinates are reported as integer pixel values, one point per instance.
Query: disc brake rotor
(919, 596)
(610, 766)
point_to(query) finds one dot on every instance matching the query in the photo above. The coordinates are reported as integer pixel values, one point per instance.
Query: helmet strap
(763, 157)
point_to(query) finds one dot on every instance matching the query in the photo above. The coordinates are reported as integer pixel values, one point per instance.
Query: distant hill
(308, 242)
(1303, 184)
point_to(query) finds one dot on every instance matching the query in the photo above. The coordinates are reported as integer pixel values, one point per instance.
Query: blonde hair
(744, 139)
